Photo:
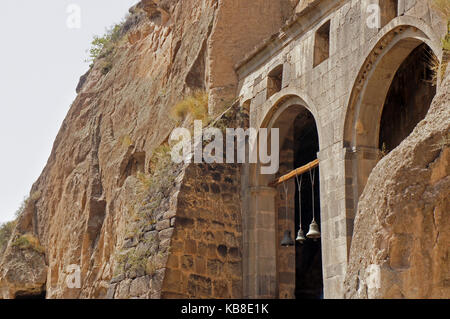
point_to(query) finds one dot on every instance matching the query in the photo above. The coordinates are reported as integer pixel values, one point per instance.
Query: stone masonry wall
(189, 244)
(205, 254)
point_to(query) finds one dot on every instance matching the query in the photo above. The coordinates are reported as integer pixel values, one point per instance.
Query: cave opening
(28, 295)
(408, 99)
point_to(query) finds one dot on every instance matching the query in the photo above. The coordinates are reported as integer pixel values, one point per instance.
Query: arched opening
(391, 95)
(299, 267)
(408, 99)
(308, 256)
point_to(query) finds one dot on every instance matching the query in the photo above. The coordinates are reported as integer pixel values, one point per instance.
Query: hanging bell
(314, 232)
(300, 236)
(287, 240)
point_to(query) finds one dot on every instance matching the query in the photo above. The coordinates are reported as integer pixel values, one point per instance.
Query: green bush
(104, 47)
(6, 229)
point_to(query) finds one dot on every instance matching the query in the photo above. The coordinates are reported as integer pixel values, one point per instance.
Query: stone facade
(358, 70)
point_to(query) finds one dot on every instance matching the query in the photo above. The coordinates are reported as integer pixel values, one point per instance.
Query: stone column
(335, 224)
(260, 270)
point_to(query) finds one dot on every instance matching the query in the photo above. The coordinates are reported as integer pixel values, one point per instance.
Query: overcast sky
(41, 59)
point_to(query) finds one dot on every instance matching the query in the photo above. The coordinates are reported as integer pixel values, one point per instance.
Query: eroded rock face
(24, 273)
(82, 209)
(400, 245)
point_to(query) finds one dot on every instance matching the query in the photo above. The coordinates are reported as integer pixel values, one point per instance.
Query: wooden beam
(298, 171)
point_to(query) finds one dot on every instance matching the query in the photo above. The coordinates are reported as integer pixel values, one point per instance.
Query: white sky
(41, 60)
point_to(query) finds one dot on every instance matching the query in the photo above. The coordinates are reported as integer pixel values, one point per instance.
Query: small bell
(300, 236)
(314, 232)
(287, 240)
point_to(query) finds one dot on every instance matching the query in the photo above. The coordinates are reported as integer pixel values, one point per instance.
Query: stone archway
(370, 93)
(269, 270)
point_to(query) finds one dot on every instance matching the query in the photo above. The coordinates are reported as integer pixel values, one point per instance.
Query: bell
(300, 236)
(287, 240)
(314, 232)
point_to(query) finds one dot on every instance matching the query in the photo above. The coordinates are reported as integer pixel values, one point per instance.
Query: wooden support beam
(298, 171)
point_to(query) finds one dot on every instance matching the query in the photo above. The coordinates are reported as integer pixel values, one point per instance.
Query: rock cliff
(81, 207)
(402, 228)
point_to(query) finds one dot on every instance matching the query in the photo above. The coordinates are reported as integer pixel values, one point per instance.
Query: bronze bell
(300, 236)
(287, 240)
(314, 232)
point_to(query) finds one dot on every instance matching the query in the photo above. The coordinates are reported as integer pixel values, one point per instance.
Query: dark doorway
(27, 295)
(408, 99)
(308, 256)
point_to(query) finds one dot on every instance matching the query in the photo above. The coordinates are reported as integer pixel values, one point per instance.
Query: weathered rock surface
(85, 193)
(400, 245)
(24, 271)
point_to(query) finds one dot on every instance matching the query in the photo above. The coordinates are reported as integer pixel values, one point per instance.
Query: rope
(312, 175)
(299, 183)
(285, 197)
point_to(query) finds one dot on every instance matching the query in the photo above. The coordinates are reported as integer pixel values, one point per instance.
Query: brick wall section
(205, 256)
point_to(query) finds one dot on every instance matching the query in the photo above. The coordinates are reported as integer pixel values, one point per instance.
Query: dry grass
(438, 69)
(126, 141)
(196, 105)
(434, 65)
(384, 150)
(28, 241)
(442, 6)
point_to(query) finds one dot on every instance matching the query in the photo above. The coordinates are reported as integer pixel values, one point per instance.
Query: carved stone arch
(265, 275)
(402, 30)
(395, 42)
(282, 107)
(286, 97)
